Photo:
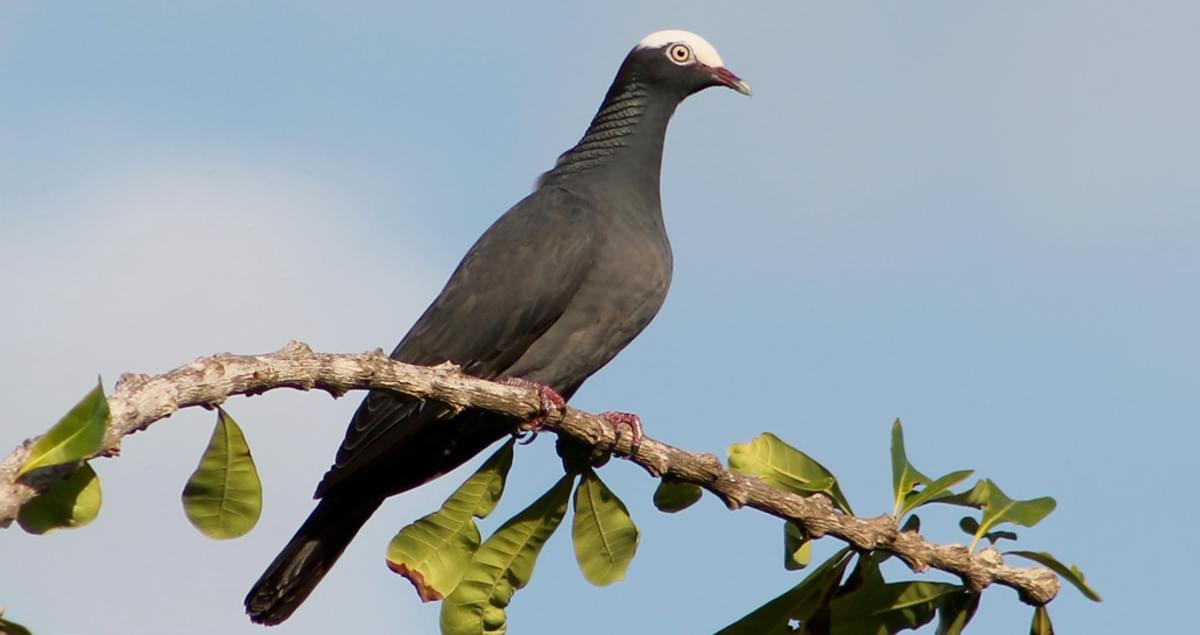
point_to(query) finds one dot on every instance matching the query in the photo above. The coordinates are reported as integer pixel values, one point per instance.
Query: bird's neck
(623, 145)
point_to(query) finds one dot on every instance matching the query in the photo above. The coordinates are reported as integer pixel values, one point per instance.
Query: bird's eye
(680, 53)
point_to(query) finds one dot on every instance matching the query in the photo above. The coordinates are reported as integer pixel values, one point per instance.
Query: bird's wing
(513, 284)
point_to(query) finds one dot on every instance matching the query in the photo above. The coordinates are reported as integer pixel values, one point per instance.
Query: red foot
(617, 420)
(549, 401)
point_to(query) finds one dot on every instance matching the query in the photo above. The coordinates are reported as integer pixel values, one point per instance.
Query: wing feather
(512, 286)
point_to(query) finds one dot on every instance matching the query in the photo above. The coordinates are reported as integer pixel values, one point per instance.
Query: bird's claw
(618, 420)
(548, 401)
(525, 437)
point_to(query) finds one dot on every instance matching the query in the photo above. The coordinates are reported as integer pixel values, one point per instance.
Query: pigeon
(551, 292)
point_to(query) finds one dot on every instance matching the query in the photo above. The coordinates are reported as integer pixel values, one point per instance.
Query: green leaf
(999, 508)
(878, 608)
(223, 497)
(1071, 574)
(604, 535)
(673, 496)
(503, 564)
(433, 552)
(975, 497)
(955, 611)
(780, 465)
(801, 603)
(970, 526)
(12, 628)
(930, 492)
(75, 437)
(1041, 622)
(906, 478)
(866, 573)
(797, 548)
(912, 524)
(72, 502)
(481, 493)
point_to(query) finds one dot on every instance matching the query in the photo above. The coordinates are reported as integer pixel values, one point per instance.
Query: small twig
(140, 400)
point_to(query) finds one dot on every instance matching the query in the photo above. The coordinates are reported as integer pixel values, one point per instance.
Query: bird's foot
(618, 420)
(548, 401)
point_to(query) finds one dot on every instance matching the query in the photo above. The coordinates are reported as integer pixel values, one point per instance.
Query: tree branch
(140, 400)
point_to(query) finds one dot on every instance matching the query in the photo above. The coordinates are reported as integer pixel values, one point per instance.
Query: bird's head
(683, 61)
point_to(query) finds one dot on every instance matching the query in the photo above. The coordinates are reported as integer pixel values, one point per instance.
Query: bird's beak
(725, 77)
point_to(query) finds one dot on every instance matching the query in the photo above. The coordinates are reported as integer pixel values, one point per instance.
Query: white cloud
(146, 268)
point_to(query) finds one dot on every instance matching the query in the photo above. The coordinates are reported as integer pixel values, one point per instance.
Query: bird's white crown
(705, 53)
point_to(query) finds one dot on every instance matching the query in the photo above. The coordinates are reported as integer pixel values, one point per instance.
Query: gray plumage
(551, 292)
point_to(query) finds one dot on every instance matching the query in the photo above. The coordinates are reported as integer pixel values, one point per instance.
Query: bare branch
(140, 400)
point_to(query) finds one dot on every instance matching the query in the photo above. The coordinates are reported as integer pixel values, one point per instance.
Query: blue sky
(978, 217)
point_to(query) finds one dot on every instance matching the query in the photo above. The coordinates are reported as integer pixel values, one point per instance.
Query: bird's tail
(298, 569)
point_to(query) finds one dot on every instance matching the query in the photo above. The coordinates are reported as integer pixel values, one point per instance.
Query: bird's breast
(622, 292)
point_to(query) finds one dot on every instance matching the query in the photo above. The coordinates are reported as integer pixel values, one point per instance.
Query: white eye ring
(680, 53)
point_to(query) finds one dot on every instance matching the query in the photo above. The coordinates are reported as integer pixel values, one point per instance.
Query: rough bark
(140, 400)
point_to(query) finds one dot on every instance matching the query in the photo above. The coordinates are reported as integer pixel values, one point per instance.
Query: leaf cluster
(862, 602)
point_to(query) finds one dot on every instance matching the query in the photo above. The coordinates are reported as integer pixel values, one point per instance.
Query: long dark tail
(306, 559)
